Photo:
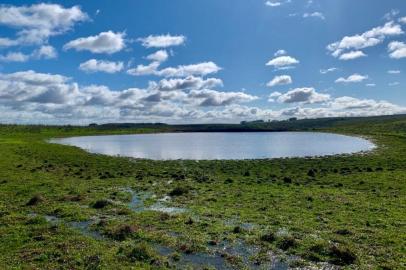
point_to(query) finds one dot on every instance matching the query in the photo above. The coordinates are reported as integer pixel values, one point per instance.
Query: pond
(220, 145)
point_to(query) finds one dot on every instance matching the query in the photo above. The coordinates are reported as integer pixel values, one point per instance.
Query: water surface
(220, 145)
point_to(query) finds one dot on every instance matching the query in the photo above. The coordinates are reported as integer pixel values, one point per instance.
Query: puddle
(137, 204)
(84, 227)
(160, 207)
(221, 256)
(235, 221)
(194, 260)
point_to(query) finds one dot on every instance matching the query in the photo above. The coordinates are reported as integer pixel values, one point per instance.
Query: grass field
(63, 208)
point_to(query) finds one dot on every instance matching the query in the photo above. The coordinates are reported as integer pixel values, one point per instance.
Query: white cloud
(56, 98)
(394, 83)
(142, 70)
(306, 95)
(352, 55)
(318, 15)
(46, 52)
(328, 70)
(6, 42)
(94, 65)
(207, 97)
(393, 71)
(370, 85)
(279, 53)
(344, 107)
(187, 83)
(105, 42)
(38, 22)
(350, 103)
(402, 20)
(273, 3)
(158, 56)
(397, 49)
(14, 57)
(280, 80)
(277, 3)
(40, 88)
(30, 97)
(391, 14)
(355, 78)
(200, 69)
(162, 41)
(367, 39)
(282, 62)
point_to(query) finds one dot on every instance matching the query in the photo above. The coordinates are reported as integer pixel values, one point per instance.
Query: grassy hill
(63, 208)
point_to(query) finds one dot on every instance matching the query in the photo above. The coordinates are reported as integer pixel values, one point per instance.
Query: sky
(200, 61)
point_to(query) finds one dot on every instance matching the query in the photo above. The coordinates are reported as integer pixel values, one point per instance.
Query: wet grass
(63, 208)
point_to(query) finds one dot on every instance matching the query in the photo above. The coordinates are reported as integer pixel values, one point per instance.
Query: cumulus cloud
(143, 70)
(94, 65)
(37, 22)
(355, 78)
(190, 82)
(45, 52)
(58, 99)
(367, 39)
(14, 57)
(32, 97)
(105, 42)
(345, 107)
(391, 14)
(158, 56)
(350, 103)
(397, 49)
(29, 86)
(279, 80)
(316, 14)
(402, 20)
(207, 97)
(370, 85)
(200, 69)
(282, 62)
(162, 41)
(300, 95)
(6, 42)
(352, 55)
(328, 70)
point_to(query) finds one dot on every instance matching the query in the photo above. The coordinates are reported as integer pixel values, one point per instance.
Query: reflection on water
(220, 145)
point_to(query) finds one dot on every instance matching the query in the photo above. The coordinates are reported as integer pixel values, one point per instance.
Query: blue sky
(200, 61)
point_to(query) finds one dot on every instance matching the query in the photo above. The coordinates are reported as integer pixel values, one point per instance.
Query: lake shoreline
(235, 146)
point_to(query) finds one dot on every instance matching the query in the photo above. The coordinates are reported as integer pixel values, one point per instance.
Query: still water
(220, 145)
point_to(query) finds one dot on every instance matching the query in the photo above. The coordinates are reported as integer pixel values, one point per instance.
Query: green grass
(349, 210)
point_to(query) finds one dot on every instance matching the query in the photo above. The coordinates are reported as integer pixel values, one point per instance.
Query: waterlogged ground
(63, 208)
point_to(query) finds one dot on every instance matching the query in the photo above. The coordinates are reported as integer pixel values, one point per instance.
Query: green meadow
(64, 208)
